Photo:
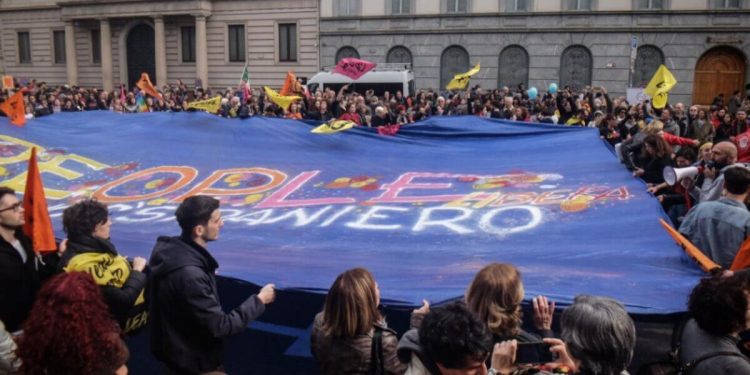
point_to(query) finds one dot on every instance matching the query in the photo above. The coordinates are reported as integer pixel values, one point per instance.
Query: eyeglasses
(14, 207)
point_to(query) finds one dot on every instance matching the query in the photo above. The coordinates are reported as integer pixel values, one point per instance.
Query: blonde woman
(704, 153)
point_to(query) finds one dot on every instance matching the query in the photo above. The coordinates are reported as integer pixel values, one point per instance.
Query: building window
(647, 61)
(96, 46)
(347, 7)
(726, 4)
(287, 42)
(188, 43)
(454, 60)
(457, 6)
(575, 67)
(237, 43)
(650, 4)
(24, 47)
(516, 5)
(579, 4)
(399, 55)
(58, 40)
(513, 69)
(400, 6)
(345, 52)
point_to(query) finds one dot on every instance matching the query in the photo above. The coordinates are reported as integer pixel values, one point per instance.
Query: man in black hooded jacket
(21, 270)
(188, 324)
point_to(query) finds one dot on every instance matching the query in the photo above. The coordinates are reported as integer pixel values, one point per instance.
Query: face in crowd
(11, 212)
(212, 227)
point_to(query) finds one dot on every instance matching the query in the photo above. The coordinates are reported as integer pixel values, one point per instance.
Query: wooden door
(721, 70)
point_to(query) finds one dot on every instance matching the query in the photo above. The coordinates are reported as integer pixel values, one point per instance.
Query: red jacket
(353, 117)
(675, 140)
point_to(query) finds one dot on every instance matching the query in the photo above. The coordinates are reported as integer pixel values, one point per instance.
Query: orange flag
(692, 252)
(38, 225)
(288, 88)
(742, 259)
(14, 109)
(146, 86)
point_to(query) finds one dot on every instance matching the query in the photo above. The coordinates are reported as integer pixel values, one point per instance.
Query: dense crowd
(481, 334)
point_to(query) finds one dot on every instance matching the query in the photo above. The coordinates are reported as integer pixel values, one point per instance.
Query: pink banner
(353, 68)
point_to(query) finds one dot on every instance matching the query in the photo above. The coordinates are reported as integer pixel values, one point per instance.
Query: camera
(710, 164)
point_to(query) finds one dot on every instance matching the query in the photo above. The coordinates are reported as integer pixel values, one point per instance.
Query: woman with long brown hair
(495, 296)
(350, 329)
(657, 154)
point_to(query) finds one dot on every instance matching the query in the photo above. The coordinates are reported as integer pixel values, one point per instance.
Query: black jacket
(123, 295)
(20, 281)
(387, 120)
(187, 322)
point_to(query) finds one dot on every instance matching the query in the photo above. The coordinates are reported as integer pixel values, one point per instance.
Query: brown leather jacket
(352, 355)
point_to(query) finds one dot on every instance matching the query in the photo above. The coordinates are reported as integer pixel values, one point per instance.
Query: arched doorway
(455, 60)
(141, 55)
(720, 70)
(513, 68)
(575, 67)
(345, 52)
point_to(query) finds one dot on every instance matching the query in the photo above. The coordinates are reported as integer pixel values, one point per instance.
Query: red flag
(288, 88)
(38, 225)
(389, 129)
(353, 68)
(15, 109)
(145, 85)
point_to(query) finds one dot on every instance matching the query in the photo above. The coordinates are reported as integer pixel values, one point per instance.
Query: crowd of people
(71, 312)
(99, 297)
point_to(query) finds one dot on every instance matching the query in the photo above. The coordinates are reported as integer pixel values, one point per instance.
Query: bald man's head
(724, 153)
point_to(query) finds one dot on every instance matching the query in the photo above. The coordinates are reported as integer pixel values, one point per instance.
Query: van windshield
(378, 88)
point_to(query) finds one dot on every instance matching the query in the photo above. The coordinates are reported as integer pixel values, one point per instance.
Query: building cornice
(87, 9)
(6, 9)
(545, 30)
(78, 9)
(574, 13)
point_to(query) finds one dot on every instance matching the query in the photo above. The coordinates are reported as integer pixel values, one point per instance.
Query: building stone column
(71, 60)
(161, 51)
(201, 51)
(106, 50)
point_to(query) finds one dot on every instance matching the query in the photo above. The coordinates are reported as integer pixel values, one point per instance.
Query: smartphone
(534, 352)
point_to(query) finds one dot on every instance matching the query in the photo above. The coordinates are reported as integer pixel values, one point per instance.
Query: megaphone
(674, 175)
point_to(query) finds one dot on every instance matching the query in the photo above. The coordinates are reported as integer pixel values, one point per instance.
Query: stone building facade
(103, 43)
(705, 43)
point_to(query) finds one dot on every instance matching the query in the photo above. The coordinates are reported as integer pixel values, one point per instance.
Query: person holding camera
(710, 184)
(598, 337)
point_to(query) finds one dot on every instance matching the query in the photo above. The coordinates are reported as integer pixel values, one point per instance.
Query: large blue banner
(423, 210)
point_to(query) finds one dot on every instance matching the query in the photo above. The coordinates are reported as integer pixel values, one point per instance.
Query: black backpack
(672, 366)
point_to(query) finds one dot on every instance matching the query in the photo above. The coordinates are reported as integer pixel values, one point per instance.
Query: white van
(385, 77)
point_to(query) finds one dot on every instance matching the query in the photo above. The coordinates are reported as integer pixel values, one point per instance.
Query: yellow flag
(461, 81)
(333, 126)
(281, 101)
(208, 105)
(659, 87)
